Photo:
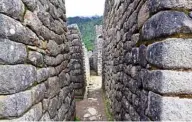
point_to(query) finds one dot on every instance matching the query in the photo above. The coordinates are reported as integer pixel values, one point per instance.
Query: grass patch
(77, 119)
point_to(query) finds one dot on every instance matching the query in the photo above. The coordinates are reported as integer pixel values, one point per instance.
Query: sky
(84, 7)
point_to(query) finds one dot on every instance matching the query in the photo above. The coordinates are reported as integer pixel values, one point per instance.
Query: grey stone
(158, 5)
(12, 53)
(14, 30)
(62, 66)
(168, 82)
(171, 53)
(16, 78)
(190, 14)
(168, 108)
(42, 74)
(45, 104)
(31, 4)
(49, 22)
(62, 112)
(166, 23)
(38, 93)
(153, 6)
(52, 86)
(143, 14)
(52, 71)
(34, 114)
(64, 79)
(135, 55)
(13, 8)
(45, 117)
(143, 55)
(53, 48)
(52, 61)
(52, 109)
(15, 105)
(31, 20)
(36, 58)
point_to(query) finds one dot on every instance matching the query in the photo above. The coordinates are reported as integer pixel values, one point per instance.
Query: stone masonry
(77, 66)
(34, 57)
(147, 59)
(97, 52)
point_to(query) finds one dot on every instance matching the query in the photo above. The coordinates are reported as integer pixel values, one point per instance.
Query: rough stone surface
(171, 53)
(13, 53)
(15, 105)
(16, 78)
(146, 49)
(34, 114)
(77, 63)
(36, 58)
(168, 108)
(13, 8)
(166, 23)
(34, 61)
(168, 82)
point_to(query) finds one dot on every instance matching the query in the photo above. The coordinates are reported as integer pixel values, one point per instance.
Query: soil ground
(92, 107)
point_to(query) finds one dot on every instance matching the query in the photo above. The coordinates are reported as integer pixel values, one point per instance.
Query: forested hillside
(87, 28)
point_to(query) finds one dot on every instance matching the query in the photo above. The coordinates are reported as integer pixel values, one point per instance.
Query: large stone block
(171, 53)
(169, 108)
(31, 20)
(52, 109)
(152, 6)
(36, 58)
(12, 8)
(166, 23)
(15, 105)
(43, 74)
(168, 82)
(45, 117)
(38, 93)
(11, 52)
(14, 30)
(31, 4)
(53, 61)
(52, 86)
(16, 78)
(62, 111)
(34, 114)
(54, 48)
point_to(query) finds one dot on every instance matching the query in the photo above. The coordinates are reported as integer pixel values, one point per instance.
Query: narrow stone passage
(93, 107)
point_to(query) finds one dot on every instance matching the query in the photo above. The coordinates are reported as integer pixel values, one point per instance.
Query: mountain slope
(87, 28)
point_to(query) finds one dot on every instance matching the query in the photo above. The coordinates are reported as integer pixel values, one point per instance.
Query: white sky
(84, 7)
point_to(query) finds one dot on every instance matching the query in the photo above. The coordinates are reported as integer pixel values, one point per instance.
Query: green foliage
(87, 28)
(77, 119)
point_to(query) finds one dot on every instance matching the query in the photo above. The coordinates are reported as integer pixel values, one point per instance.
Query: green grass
(77, 119)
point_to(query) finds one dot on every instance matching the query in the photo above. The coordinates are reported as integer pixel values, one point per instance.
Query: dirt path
(92, 108)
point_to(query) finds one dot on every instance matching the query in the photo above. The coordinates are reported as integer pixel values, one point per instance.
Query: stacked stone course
(97, 52)
(147, 59)
(34, 73)
(77, 62)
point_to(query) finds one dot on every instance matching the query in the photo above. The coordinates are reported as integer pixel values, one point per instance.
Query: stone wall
(77, 65)
(97, 52)
(147, 59)
(34, 57)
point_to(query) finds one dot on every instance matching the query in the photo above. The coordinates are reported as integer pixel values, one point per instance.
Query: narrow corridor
(93, 107)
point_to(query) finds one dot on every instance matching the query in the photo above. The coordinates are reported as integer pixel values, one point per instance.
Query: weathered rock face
(34, 57)
(147, 59)
(97, 52)
(77, 62)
